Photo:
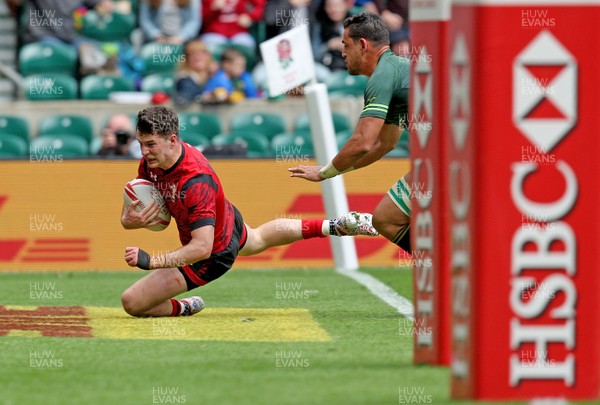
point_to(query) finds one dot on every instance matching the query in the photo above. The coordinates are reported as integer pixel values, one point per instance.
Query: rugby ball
(145, 192)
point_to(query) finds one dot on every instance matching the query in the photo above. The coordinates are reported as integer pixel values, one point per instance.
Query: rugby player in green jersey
(367, 52)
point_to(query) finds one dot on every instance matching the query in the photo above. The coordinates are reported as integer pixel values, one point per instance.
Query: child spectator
(231, 83)
(194, 73)
(228, 21)
(170, 21)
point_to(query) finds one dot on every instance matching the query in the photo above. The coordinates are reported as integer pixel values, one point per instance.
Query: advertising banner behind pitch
(66, 215)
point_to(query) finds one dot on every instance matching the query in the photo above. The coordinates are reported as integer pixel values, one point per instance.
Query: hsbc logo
(531, 92)
(540, 320)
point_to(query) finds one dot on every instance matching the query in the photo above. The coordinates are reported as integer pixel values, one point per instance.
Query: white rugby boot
(192, 305)
(352, 224)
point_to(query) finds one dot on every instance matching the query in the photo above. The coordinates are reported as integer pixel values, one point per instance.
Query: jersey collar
(170, 169)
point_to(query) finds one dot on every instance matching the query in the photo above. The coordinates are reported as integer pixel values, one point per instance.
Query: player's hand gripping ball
(144, 191)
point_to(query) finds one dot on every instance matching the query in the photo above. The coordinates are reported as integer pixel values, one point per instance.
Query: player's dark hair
(158, 120)
(368, 26)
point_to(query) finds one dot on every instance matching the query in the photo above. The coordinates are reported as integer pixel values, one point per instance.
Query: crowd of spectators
(208, 72)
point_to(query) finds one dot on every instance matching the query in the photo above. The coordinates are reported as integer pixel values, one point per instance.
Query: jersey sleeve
(199, 195)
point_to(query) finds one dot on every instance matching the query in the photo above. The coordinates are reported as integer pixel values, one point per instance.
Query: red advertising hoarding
(428, 109)
(523, 198)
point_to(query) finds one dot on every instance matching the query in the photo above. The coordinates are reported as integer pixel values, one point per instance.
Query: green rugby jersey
(386, 95)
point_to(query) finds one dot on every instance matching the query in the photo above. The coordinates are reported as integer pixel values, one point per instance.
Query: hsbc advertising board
(524, 167)
(428, 107)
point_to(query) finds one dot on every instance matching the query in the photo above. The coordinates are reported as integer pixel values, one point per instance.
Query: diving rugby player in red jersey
(211, 230)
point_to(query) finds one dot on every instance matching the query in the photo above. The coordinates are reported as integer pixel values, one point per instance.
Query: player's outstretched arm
(360, 144)
(131, 219)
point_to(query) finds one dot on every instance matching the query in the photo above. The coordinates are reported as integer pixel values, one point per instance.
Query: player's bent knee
(131, 304)
(254, 243)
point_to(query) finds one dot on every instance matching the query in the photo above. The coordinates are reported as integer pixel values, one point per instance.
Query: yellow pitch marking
(224, 324)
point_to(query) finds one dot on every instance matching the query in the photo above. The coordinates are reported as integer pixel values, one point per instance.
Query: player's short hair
(158, 120)
(368, 26)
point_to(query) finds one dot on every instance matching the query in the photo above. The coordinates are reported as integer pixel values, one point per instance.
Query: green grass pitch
(367, 360)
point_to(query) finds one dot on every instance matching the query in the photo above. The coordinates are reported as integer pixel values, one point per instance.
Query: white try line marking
(382, 291)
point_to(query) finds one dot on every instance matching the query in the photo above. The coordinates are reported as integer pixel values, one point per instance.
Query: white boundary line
(382, 291)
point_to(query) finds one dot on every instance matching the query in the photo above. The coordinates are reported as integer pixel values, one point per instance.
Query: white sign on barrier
(288, 60)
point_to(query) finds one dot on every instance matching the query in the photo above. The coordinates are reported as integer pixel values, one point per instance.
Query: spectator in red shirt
(228, 21)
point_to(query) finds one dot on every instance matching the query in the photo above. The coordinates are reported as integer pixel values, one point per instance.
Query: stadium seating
(63, 146)
(196, 139)
(342, 84)
(163, 82)
(292, 145)
(12, 146)
(256, 144)
(47, 58)
(99, 87)
(14, 126)
(50, 86)
(114, 27)
(159, 57)
(267, 124)
(76, 125)
(202, 123)
(340, 123)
